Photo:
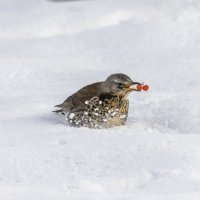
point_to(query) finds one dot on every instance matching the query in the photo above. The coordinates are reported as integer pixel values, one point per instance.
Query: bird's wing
(77, 101)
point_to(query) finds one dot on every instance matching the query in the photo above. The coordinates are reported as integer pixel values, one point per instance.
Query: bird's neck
(104, 87)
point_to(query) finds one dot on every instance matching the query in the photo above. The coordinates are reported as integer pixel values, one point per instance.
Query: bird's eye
(120, 85)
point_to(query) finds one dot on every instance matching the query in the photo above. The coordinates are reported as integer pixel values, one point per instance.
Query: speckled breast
(99, 113)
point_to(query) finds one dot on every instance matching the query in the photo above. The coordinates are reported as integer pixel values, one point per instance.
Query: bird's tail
(59, 111)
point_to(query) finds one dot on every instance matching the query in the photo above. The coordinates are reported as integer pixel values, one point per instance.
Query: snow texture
(50, 50)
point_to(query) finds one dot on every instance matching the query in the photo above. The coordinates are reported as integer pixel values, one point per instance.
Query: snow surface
(50, 50)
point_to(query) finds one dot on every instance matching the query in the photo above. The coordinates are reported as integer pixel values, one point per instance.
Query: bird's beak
(133, 87)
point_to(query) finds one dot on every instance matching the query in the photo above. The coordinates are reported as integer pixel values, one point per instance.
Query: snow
(50, 50)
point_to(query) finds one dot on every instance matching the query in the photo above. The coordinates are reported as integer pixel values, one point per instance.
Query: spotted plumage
(99, 105)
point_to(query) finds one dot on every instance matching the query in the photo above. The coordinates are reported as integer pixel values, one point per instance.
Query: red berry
(145, 87)
(139, 87)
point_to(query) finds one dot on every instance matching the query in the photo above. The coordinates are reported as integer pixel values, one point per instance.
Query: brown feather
(77, 100)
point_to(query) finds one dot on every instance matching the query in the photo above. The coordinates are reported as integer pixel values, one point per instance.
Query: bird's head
(120, 84)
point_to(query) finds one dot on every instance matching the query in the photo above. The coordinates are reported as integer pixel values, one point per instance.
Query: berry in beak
(135, 86)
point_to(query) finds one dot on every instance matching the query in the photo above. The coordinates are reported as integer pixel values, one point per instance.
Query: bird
(99, 105)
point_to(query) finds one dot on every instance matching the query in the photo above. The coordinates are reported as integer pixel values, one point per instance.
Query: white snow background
(50, 50)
